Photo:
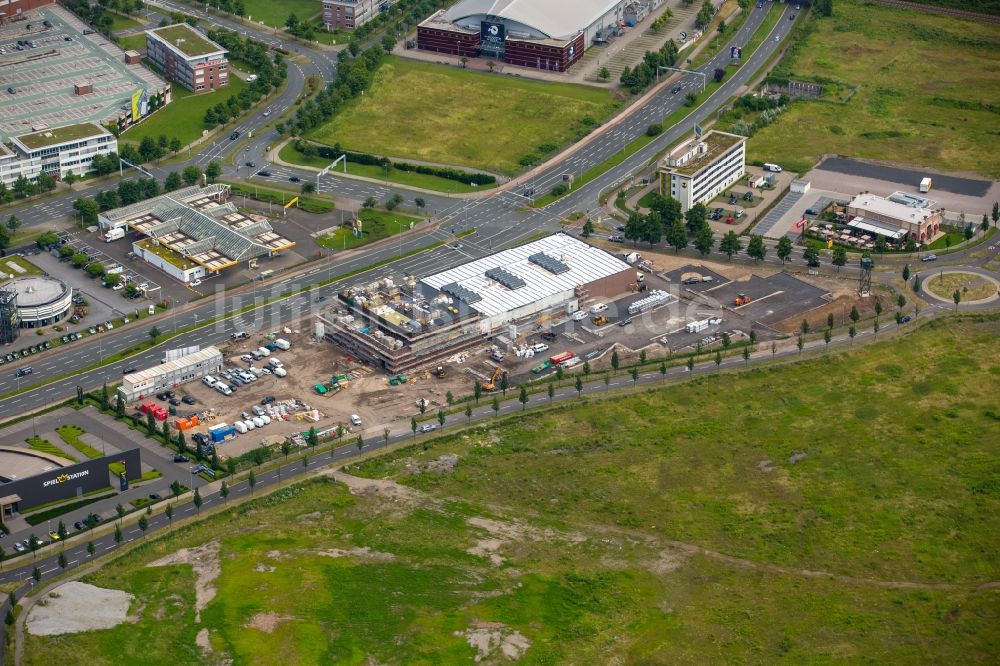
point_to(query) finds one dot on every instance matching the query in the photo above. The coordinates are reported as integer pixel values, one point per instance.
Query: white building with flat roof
(700, 169)
(517, 283)
(139, 385)
(58, 151)
(896, 221)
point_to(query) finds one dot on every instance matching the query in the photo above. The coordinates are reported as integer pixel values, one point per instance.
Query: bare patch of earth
(76, 607)
(490, 637)
(205, 561)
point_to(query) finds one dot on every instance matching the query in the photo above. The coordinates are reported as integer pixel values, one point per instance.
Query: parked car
(155, 496)
(625, 322)
(175, 402)
(267, 400)
(188, 400)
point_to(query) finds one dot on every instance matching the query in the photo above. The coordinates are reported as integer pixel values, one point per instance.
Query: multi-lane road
(497, 218)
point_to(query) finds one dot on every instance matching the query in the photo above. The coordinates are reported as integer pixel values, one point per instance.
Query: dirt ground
(844, 296)
(205, 562)
(310, 361)
(76, 607)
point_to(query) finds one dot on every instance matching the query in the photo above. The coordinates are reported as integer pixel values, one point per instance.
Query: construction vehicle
(600, 320)
(491, 385)
(742, 299)
(440, 372)
(395, 380)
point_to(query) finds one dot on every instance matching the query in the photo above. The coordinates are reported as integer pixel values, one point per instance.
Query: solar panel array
(551, 264)
(506, 278)
(461, 293)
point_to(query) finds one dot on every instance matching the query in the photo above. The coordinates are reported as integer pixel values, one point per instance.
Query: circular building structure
(40, 299)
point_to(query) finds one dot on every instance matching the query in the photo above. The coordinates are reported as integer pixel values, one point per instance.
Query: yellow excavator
(491, 385)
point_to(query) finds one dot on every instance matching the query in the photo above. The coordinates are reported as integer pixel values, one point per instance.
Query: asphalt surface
(497, 219)
(908, 178)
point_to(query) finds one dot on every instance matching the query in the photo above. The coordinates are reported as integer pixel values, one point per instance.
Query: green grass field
(184, 117)
(456, 116)
(927, 93)
(636, 530)
(119, 22)
(134, 43)
(377, 225)
(274, 14)
(289, 154)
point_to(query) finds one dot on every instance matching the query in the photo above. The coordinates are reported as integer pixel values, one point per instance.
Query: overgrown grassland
(927, 91)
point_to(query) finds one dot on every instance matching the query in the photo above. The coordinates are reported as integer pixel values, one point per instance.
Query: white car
(428, 427)
(119, 286)
(195, 283)
(247, 357)
(579, 315)
(712, 321)
(599, 307)
(355, 420)
(539, 348)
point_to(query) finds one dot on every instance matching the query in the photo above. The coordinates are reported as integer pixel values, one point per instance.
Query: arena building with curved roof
(548, 35)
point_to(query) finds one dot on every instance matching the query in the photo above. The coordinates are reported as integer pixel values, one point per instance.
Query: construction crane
(491, 385)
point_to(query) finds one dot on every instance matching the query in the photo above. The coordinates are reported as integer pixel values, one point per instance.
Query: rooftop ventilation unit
(461, 293)
(550, 264)
(506, 278)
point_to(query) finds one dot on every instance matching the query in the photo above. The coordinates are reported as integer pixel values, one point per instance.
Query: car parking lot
(43, 76)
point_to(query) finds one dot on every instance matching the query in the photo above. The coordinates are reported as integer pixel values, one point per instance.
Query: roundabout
(976, 287)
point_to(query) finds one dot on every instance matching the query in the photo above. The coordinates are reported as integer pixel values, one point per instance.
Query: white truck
(773, 168)
(281, 343)
(114, 234)
(925, 185)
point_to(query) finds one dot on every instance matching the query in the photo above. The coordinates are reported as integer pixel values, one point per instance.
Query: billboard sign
(492, 37)
(140, 104)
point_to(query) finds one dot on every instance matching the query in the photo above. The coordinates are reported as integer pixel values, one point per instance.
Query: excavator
(491, 385)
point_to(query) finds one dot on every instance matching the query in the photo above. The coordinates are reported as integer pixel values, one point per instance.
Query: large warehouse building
(549, 35)
(193, 232)
(401, 327)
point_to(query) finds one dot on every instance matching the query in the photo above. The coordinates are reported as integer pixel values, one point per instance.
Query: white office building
(144, 383)
(701, 168)
(57, 152)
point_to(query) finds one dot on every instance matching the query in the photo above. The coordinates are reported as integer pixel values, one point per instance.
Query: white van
(774, 168)
(263, 351)
(239, 427)
(258, 422)
(223, 389)
(248, 424)
(275, 362)
(599, 307)
(209, 380)
(355, 420)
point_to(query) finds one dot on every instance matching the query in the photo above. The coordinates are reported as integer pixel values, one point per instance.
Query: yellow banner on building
(136, 113)
(292, 202)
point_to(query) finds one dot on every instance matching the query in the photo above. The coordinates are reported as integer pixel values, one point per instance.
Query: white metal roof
(586, 264)
(881, 206)
(558, 19)
(876, 227)
(203, 356)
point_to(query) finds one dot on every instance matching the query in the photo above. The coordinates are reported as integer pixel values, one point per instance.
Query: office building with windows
(57, 152)
(701, 168)
(188, 57)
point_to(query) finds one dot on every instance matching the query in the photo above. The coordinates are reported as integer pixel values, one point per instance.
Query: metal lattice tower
(865, 279)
